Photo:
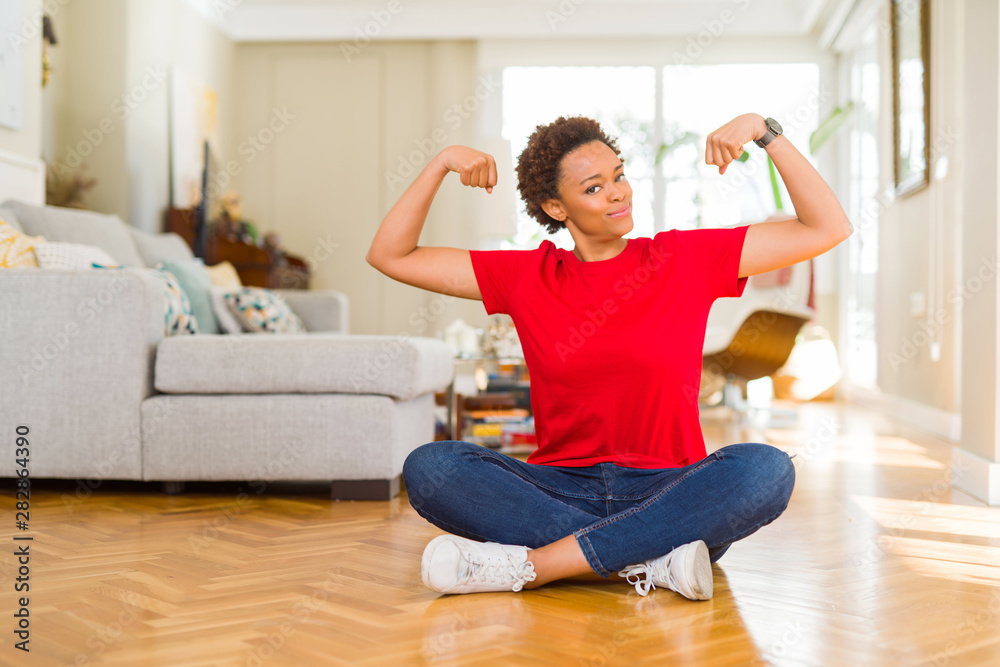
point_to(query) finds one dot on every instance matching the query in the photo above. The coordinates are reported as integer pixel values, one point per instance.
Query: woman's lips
(621, 213)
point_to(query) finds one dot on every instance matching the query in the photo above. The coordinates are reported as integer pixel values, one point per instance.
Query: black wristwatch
(773, 132)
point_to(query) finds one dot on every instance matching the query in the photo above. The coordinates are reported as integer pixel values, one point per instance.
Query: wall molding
(21, 178)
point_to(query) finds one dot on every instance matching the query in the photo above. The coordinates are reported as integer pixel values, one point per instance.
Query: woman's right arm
(395, 252)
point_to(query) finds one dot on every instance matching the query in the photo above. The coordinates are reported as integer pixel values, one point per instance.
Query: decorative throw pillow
(17, 249)
(228, 323)
(71, 256)
(260, 310)
(224, 275)
(195, 283)
(178, 319)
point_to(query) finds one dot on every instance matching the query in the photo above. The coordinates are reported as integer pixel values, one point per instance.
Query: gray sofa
(85, 366)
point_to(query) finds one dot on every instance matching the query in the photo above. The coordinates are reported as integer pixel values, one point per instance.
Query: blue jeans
(620, 516)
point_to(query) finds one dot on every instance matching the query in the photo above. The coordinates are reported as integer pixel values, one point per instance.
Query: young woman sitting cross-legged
(612, 333)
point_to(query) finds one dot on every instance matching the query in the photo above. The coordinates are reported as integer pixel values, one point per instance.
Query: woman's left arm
(821, 223)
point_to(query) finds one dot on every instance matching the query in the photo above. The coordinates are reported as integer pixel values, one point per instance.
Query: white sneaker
(452, 564)
(686, 570)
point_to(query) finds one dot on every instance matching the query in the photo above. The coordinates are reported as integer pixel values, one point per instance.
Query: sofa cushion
(260, 310)
(71, 256)
(156, 248)
(195, 282)
(67, 225)
(224, 274)
(17, 249)
(397, 366)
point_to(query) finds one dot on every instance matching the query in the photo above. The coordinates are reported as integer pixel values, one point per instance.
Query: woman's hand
(476, 168)
(726, 144)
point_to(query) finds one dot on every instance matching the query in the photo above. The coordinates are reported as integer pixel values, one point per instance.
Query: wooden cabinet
(258, 267)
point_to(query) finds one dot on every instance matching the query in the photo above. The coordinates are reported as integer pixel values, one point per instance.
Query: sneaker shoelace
(499, 569)
(633, 574)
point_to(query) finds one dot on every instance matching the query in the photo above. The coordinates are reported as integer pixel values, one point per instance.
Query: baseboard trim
(365, 489)
(978, 477)
(938, 422)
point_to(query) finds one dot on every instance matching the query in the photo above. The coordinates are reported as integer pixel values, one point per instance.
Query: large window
(864, 208)
(661, 118)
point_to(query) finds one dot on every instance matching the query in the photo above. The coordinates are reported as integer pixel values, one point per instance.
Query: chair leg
(173, 488)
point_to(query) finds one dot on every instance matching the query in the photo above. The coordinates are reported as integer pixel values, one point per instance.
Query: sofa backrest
(8, 216)
(67, 225)
(156, 248)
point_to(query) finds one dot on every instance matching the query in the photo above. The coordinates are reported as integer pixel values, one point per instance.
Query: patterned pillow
(260, 310)
(17, 249)
(71, 256)
(228, 324)
(177, 316)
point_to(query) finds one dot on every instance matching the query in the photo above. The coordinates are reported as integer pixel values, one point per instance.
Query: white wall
(162, 34)
(321, 182)
(909, 241)
(107, 105)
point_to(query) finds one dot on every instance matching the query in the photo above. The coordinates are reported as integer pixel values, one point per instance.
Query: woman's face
(594, 195)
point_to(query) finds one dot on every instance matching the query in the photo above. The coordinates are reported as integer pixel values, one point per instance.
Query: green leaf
(829, 126)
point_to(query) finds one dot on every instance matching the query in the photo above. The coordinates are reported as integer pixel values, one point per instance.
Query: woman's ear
(554, 209)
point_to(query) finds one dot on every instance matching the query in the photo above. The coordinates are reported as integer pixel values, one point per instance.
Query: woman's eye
(591, 189)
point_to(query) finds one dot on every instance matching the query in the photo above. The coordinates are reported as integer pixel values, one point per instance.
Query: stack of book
(495, 421)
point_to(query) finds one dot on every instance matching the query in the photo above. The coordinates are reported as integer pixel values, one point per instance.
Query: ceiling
(295, 20)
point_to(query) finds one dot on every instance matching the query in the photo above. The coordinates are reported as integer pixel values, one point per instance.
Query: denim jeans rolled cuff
(723, 498)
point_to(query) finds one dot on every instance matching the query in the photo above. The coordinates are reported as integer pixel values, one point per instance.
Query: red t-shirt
(614, 347)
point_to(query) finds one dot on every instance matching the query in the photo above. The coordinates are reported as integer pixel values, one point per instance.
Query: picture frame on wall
(910, 37)
(11, 65)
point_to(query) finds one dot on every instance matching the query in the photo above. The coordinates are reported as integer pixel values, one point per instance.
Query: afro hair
(539, 164)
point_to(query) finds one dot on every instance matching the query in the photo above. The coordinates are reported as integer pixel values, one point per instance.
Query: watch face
(772, 125)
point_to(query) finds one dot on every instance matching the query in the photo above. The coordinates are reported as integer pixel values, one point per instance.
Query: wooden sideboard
(258, 267)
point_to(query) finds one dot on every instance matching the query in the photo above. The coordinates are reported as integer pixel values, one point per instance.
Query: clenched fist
(726, 144)
(475, 168)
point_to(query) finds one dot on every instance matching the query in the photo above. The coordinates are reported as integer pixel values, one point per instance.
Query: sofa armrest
(76, 362)
(319, 310)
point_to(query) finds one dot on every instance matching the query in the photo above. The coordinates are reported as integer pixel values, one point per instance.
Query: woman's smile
(621, 212)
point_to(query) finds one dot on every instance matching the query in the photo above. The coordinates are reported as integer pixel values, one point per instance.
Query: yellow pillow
(17, 250)
(224, 275)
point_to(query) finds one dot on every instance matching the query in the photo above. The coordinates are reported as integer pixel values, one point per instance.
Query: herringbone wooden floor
(877, 561)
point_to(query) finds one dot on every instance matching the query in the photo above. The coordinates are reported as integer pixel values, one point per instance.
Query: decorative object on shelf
(48, 39)
(256, 266)
(66, 188)
(463, 338)
(500, 338)
(194, 110)
(231, 222)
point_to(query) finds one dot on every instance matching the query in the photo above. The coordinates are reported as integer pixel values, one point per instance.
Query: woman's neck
(596, 251)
